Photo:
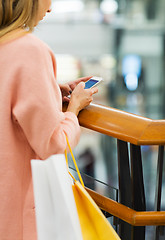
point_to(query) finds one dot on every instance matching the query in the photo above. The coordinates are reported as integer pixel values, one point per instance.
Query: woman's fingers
(94, 90)
(83, 79)
(65, 89)
(66, 99)
(73, 84)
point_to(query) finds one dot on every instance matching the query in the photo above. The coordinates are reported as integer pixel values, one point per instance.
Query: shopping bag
(94, 225)
(56, 213)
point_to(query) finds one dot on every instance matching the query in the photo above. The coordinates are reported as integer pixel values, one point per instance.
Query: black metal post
(158, 191)
(124, 186)
(138, 194)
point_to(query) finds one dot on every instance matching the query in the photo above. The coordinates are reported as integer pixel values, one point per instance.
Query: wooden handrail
(127, 214)
(131, 128)
(122, 125)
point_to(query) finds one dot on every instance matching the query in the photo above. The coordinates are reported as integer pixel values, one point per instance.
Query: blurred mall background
(122, 41)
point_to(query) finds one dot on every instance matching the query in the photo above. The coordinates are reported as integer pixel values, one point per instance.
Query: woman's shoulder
(31, 40)
(30, 44)
(26, 51)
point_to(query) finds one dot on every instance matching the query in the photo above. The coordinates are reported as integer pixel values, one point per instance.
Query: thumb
(81, 85)
(94, 90)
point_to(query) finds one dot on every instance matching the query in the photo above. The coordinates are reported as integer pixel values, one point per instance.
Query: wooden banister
(136, 130)
(122, 125)
(127, 214)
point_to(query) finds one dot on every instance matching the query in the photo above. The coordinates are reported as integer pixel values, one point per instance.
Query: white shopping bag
(56, 212)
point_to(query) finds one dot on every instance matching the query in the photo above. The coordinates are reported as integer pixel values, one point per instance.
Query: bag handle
(74, 161)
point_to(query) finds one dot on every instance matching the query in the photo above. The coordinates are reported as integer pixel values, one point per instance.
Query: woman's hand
(81, 98)
(67, 88)
(73, 84)
(65, 91)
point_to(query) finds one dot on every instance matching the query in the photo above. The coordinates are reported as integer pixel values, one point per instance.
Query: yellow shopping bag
(94, 225)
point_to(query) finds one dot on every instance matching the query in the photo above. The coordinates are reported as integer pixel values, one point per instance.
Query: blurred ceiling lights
(67, 6)
(109, 6)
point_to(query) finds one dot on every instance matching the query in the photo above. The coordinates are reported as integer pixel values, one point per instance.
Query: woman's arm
(37, 105)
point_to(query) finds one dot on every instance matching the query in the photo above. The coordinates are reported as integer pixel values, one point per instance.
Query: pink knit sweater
(32, 125)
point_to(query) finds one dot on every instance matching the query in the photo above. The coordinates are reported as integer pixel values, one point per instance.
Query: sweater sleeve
(37, 105)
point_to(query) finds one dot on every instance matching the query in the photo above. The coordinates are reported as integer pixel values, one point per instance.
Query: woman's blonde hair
(16, 14)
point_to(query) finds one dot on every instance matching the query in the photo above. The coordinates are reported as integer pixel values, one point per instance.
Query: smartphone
(92, 82)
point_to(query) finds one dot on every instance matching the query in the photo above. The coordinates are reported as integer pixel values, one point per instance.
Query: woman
(32, 124)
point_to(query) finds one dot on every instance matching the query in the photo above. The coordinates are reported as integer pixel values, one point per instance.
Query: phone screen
(90, 83)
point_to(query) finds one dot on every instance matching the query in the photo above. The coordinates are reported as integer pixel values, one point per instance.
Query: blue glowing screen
(90, 83)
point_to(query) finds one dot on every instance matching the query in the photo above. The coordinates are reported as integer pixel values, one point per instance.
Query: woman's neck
(13, 35)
